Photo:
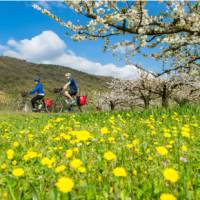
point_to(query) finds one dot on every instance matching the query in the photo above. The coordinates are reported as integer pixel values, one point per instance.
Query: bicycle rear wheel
(23, 106)
(48, 109)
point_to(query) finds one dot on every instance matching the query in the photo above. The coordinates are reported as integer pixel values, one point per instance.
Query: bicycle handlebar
(57, 90)
(24, 94)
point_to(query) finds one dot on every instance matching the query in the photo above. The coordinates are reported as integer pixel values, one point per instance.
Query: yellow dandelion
(76, 163)
(167, 196)
(5, 195)
(47, 162)
(60, 169)
(3, 166)
(18, 172)
(15, 144)
(104, 130)
(10, 154)
(109, 155)
(14, 162)
(171, 175)
(185, 131)
(135, 142)
(119, 171)
(65, 184)
(150, 158)
(69, 153)
(82, 169)
(162, 150)
(167, 135)
(99, 178)
(184, 148)
(134, 172)
(75, 149)
(83, 135)
(30, 155)
(111, 139)
(129, 146)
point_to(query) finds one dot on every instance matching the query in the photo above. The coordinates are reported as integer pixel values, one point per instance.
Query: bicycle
(61, 102)
(24, 105)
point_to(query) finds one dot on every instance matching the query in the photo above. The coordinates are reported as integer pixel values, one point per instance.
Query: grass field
(129, 155)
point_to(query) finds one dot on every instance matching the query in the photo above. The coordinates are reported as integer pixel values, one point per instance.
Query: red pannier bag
(48, 102)
(82, 100)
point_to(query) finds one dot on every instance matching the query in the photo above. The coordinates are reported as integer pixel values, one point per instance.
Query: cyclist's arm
(66, 86)
(34, 90)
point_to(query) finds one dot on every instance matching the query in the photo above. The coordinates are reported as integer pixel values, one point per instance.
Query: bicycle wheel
(57, 106)
(48, 109)
(19, 105)
(22, 106)
(27, 107)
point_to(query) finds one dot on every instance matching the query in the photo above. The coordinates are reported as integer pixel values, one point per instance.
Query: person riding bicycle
(40, 93)
(73, 87)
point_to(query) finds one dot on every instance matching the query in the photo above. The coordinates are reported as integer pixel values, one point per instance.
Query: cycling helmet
(37, 79)
(68, 75)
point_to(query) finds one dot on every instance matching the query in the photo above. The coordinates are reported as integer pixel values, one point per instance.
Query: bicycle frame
(61, 103)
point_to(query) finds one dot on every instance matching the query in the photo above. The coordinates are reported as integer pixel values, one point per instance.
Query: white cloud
(51, 3)
(48, 48)
(2, 48)
(41, 47)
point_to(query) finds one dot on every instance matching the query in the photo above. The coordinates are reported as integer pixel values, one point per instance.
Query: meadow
(147, 155)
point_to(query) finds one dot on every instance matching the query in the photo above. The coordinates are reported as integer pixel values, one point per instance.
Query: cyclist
(40, 93)
(73, 87)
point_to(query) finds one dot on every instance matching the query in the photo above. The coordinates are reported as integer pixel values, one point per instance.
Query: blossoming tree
(147, 89)
(173, 32)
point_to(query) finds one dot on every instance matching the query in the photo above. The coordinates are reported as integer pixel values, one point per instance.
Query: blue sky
(20, 21)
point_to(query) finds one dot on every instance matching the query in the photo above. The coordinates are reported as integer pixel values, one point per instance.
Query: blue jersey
(73, 85)
(39, 89)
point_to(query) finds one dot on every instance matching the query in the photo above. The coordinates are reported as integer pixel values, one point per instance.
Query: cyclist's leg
(74, 97)
(35, 99)
(67, 94)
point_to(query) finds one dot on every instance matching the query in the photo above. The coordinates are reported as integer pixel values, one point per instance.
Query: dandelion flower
(65, 184)
(162, 150)
(83, 135)
(99, 178)
(76, 163)
(48, 162)
(120, 171)
(18, 172)
(185, 131)
(69, 153)
(14, 162)
(171, 175)
(10, 154)
(60, 168)
(135, 142)
(184, 148)
(167, 196)
(104, 130)
(109, 155)
(82, 169)
(150, 158)
(30, 155)
(3, 166)
(134, 172)
(15, 144)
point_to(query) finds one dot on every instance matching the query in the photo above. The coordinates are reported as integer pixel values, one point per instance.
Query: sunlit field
(127, 155)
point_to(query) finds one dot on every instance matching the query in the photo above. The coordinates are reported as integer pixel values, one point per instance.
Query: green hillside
(17, 75)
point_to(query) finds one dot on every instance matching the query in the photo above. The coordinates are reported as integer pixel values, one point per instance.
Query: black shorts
(72, 93)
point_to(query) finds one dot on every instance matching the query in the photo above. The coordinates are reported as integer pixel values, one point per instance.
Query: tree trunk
(165, 97)
(146, 102)
(112, 105)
